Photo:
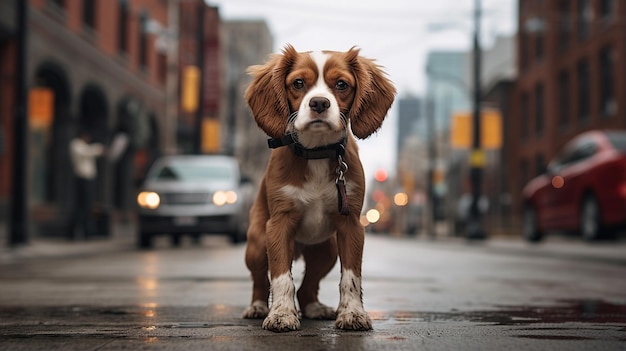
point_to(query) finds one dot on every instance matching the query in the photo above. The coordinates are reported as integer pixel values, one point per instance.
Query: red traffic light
(380, 175)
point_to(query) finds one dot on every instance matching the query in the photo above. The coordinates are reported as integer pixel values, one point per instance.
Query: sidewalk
(554, 245)
(557, 246)
(121, 238)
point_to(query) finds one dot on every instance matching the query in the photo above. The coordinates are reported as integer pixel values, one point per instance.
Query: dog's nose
(319, 104)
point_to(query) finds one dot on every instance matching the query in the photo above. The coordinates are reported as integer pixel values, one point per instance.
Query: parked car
(584, 189)
(194, 195)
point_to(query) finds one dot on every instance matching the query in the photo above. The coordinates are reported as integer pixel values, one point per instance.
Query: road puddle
(562, 320)
(563, 311)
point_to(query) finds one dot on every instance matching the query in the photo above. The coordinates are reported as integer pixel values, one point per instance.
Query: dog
(312, 105)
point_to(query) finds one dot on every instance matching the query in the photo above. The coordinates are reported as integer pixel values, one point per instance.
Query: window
(525, 116)
(564, 25)
(539, 43)
(143, 40)
(583, 18)
(122, 31)
(607, 9)
(523, 50)
(59, 3)
(162, 66)
(579, 151)
(539, 109)
(607, 99)
(617, 139)
(583, 91)
(524, 172)
(540, 164)
(564, 100)
(89, 13)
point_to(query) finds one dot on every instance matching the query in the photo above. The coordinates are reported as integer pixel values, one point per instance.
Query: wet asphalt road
(421, 295)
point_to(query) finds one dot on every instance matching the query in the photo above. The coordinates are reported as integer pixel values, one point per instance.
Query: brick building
(571, 78)
(199, 46)
(101, 63)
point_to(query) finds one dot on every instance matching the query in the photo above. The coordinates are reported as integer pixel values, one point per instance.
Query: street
(422, 294)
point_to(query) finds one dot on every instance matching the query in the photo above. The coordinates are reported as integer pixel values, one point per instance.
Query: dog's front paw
(281, 321)
(257, 310)
(316, 310)
(351, 320)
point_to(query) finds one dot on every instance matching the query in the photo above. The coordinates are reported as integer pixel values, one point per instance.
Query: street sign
(190, 89)
(461, 131)
(210, 135)
(40, 107)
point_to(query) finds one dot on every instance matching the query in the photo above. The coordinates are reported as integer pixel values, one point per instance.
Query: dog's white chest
(317, 198)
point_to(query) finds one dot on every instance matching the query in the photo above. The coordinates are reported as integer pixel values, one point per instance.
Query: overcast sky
(397, 33)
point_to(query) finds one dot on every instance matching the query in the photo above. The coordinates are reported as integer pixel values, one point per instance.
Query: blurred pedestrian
(83, 154)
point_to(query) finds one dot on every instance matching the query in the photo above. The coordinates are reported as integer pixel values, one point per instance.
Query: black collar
(326, 151)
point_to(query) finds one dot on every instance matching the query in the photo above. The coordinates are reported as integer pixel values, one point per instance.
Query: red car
(584, 189)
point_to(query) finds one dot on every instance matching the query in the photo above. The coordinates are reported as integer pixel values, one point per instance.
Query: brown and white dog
(311, 196)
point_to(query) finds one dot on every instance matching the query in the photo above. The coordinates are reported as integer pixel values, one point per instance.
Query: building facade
(499, 72)
(245, 43)
(572, 78)
(447, 90)
(200, 48)
(100, 63)
(409, 113)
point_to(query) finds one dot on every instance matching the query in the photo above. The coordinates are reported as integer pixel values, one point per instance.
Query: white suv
(194, 195)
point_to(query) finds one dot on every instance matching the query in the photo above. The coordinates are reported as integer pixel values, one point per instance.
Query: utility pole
(18, 221)
(477, 159)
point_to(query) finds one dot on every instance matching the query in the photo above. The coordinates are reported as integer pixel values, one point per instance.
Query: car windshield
(618, 140)
(193, 172)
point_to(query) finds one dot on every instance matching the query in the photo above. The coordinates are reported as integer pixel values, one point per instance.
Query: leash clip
(340, 182)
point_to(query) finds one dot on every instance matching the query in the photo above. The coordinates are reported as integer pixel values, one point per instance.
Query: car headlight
(148, 199)
(221, 198)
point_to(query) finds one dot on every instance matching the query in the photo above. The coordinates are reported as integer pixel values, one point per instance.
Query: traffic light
(461, 131)
(190, 89)
(210, 135)
(380, 175)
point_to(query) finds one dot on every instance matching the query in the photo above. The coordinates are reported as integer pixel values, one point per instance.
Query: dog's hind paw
(317, 310)
(281, 322)
(257, 310)
(349, 320)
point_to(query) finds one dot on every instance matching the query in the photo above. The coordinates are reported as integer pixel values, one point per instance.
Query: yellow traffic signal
(210, 135)
(190, 89)
(491, 129)
(462, 130)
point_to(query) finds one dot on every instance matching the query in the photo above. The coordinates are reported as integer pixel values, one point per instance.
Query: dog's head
(318, 94)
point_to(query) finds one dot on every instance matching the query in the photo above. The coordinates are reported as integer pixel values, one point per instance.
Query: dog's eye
(298, 83)
(341, 85)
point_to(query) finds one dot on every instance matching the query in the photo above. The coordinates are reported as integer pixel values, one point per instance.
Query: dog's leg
(256, 258)
(319, 260)
(350, 238)
(283, 315)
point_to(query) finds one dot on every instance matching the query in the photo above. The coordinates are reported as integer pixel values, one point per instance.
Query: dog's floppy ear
(374, 95)
(267, 95)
